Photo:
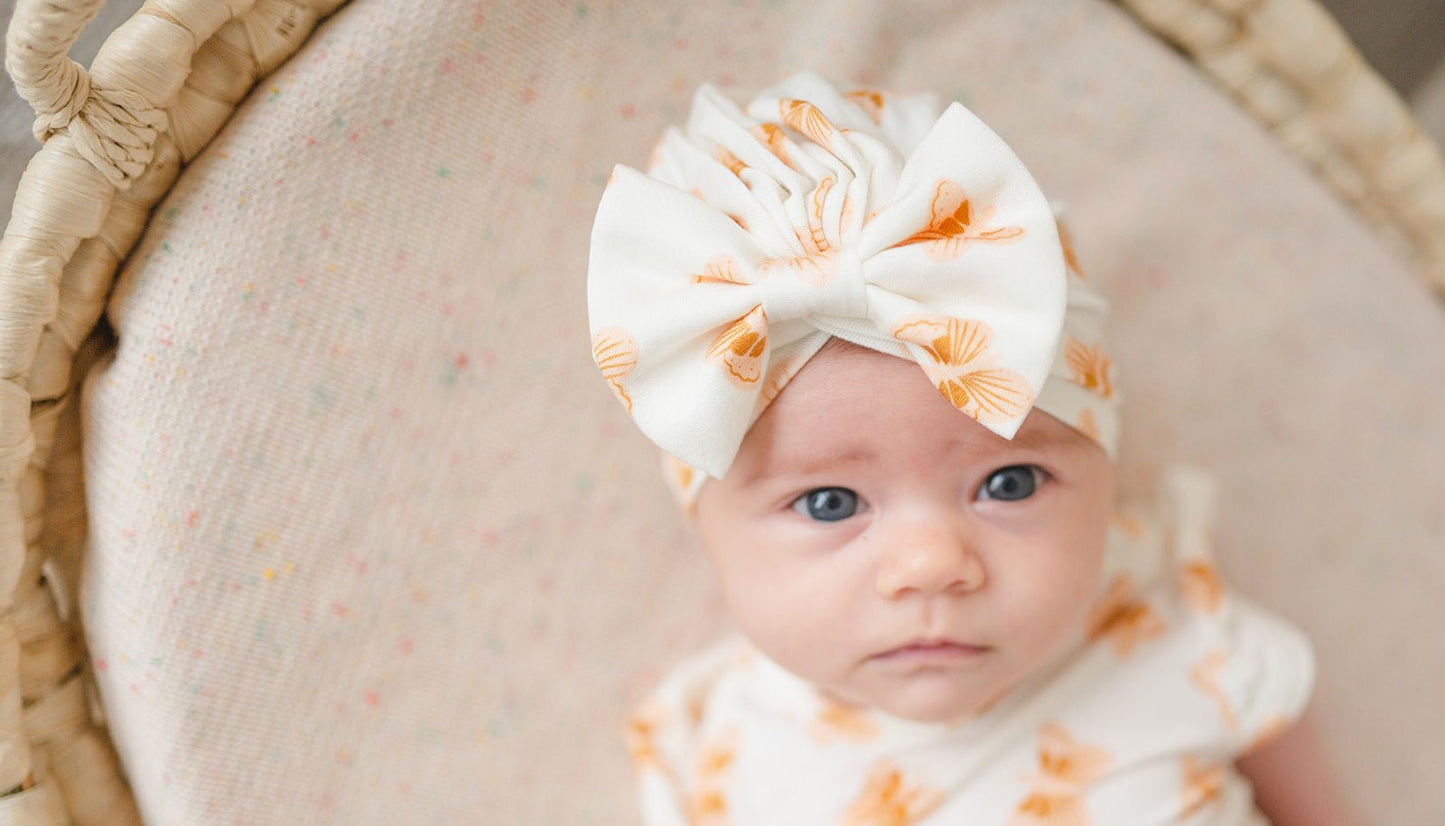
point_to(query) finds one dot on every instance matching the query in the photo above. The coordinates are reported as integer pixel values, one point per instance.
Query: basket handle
(115, 111)
(37, 55)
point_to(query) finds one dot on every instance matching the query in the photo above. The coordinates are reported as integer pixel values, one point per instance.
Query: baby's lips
(930, 649)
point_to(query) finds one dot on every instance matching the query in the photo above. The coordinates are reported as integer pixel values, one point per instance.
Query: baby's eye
(827, 504)
(1012, 483)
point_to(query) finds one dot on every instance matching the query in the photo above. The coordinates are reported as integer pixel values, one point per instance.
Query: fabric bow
(759, 235)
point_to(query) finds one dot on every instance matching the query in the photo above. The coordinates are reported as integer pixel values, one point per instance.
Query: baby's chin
(926, 699)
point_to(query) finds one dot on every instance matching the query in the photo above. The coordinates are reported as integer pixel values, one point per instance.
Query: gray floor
(1405, 40)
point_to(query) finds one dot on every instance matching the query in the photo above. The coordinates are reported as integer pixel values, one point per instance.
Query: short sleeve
(663, 733)
(1255, 667)
(1268, 672)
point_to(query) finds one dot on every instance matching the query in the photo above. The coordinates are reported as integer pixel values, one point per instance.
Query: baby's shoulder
(668, 724)
(1169, 633)
(687, 684)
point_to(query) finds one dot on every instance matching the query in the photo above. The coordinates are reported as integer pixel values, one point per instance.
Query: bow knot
(828, 284)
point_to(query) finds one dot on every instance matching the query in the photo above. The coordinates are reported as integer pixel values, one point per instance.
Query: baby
(854, 327)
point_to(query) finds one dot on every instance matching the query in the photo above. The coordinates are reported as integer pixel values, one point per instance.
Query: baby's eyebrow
(785, 465)
(1043, 439)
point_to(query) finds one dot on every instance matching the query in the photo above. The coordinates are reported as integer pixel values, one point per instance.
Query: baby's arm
(1293, 784)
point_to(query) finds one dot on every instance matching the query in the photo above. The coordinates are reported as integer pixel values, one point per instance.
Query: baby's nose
(931, 558)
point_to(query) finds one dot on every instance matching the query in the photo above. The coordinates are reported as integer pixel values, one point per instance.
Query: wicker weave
(1291, 65)
(116, 137)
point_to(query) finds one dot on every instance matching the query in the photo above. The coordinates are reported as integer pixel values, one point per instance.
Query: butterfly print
(772, 137)
(1202, 783)
(888, 799)
(1071, 260)
(615, 353)
(1205, 676)
(836, 721)
(1201, 586)
(1089, 367)
(957, 351)
(802, 116)
(708, 805)
(739, 349)
(731, 161)
(869, 101)
(955, 222)
(1066, 770)
(1123, 619)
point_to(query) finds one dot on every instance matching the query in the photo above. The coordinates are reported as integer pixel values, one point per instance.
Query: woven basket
(116, 137)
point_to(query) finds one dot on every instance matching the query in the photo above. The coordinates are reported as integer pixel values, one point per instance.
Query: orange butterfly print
(772, 136)
(1087, 424)
(1205, 676)
(816, 242)
(869, 101)
(1201, 586)
(836, 721)
(845, 214)
(957, 351)
(615, 353)
(721, 270)
(816, 269)
(1067, 769)
(954, 224)
(716, 758)
(731, 161)
(739, 349)
(1132, 528)
(642, 737)
(680, 476)
(802, 116)
(1202, 783)
(1071, 260)
(681, 472)
(814, 266)
(1089, 367)
(888, 799)
(1126, 621)
(708, 805)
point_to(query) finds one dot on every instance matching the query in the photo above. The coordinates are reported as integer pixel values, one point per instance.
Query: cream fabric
(1138, 722)
(371, 543)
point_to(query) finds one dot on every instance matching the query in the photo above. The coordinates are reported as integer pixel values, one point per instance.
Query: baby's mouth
(932, 652)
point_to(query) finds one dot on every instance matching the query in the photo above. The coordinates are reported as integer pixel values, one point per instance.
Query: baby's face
(895, 553)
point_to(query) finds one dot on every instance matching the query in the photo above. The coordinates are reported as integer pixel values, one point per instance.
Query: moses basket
(315, 511)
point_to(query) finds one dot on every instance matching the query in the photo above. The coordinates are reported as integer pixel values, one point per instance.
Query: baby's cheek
(786, 613)
(1052, 602)
(771, 596)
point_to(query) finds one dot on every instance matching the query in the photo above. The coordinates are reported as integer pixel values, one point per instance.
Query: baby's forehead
(851, 405)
